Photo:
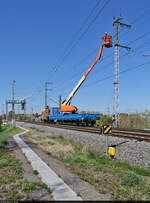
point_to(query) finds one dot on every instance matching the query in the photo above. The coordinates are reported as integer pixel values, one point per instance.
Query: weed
(36, 129)
(98, 168)
(46, 187)
(131, 179)
(35, 172)
(18, 171)
(3, 163)
(28, 162)
(147, 191)
(15, 196)
(59, 139)
(48, 153)
(28, 186)
(51, 143)
(78, 194)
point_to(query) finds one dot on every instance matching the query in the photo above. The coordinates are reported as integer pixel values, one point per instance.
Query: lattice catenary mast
(116, 69)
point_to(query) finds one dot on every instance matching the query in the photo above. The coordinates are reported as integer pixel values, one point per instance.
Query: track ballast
(135, 134)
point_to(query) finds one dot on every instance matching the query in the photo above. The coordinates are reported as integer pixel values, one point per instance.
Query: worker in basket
(107, 40)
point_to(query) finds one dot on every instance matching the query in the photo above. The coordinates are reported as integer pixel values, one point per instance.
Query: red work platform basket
(107, 40)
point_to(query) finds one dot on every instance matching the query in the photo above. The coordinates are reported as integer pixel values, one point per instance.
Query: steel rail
(134, 134)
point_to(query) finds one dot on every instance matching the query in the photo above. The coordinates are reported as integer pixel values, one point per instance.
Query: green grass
(131, 179)
(12, 166)
(11, 171)
(7, 131)
(97, 160)
(129, 183)
(26, 186)
(59, 139)
(121, 180)
(37, 129)
(15, 196)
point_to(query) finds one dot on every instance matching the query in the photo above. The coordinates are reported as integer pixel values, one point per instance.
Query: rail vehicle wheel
(83, 124)
(87, 123)
(92, 123)
(77, 122)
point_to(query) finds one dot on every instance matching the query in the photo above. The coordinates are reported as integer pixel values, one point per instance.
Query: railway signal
(106, 130)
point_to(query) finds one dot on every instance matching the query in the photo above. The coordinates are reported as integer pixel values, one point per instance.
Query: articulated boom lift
(69, 108)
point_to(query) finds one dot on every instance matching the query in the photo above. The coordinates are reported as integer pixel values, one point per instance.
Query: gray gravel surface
(137, 153)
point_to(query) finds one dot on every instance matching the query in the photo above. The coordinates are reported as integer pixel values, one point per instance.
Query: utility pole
(31, 113)
(116, 69)
(31, 110)
(13, 103)
(6, 110)
(108, 111)
(18, 110)
(3, 111)
(46, 89)
(60, 101)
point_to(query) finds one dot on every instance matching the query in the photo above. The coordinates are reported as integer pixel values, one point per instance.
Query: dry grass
(52, 146)
(103, 173)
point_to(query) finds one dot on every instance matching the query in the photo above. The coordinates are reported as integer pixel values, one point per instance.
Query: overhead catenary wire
(73, 41)
(120, 73)
(110, 55)
(133, 22)
(108, 65)
(85, 31)
(80, 29)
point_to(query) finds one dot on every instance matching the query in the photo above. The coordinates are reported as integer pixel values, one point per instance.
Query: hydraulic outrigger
(69, 108)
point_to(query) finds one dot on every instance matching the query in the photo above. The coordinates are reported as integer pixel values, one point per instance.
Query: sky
(57, 41)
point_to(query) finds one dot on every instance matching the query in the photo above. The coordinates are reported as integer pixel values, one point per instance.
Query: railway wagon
(85, 119)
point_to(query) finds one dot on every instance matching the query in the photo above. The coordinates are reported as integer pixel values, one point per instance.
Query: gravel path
(137, 153)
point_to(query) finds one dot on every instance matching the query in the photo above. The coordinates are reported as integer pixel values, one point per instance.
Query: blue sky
(35, 34)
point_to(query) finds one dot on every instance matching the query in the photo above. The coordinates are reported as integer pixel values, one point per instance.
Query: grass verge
(12, 184)
(120, 180)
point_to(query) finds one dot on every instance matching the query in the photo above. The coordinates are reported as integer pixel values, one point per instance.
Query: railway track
(135, 134)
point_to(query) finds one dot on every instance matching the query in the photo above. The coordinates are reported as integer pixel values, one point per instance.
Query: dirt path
(41, 192)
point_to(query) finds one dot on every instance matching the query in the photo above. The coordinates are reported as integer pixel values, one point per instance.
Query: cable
(122, 72)
(108, 56)
(137, 19)
(78, 40)
(133, 41)
(53, 100)
(81, 27)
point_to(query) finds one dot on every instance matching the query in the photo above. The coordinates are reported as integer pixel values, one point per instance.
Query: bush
(104, 120)
(131, 179)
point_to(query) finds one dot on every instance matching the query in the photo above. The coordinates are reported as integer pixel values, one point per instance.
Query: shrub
(131, 179)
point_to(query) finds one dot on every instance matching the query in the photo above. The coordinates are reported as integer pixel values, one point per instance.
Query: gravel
(136, 153)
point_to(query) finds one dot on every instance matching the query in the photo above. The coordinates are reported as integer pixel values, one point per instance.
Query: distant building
(123, 115)
(133, 115)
